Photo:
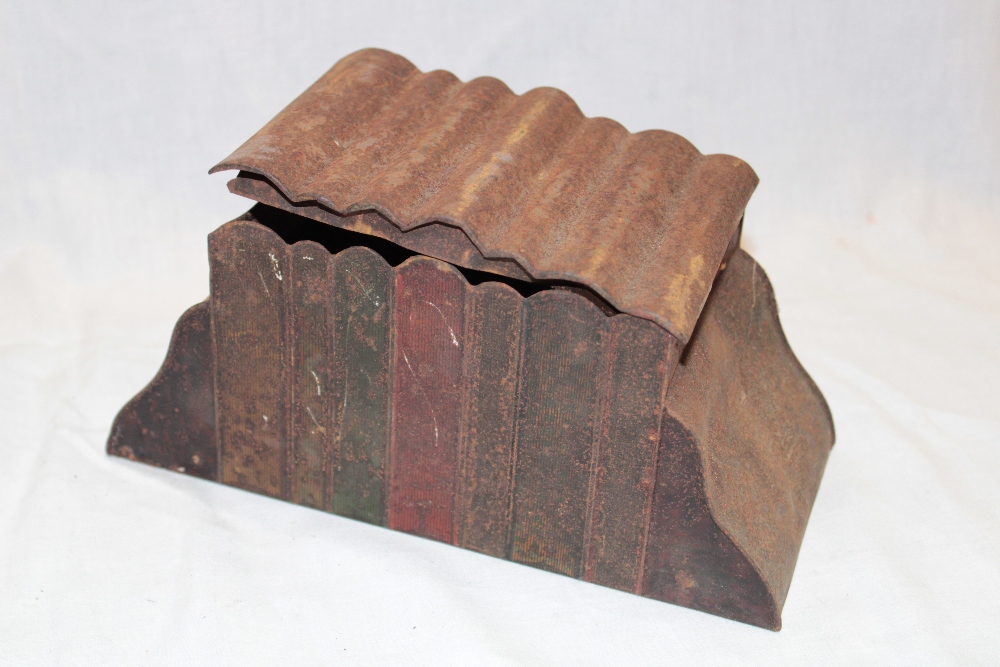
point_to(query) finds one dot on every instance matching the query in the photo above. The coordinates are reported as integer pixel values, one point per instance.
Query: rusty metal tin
(438, 320)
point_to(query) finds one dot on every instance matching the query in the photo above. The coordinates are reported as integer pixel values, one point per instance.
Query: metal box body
(341, 364)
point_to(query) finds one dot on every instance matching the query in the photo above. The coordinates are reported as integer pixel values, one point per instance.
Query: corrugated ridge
(525, 177)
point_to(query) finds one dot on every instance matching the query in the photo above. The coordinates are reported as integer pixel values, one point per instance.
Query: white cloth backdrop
(875, 129)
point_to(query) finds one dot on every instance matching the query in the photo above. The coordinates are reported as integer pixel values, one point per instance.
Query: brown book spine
(494, 319)
(309, 341)
(430, 308)
(248, 270)
(559, 409)
(641, 355)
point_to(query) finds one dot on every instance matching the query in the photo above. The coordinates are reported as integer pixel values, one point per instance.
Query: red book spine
(430, 309)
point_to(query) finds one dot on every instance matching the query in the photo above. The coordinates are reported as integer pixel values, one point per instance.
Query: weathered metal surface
(763, 429)
(430, 307)
(541, 429)
(641, 358)
(171, 422)
(493, 324)
(523, 186)
(441, 241)
(763, 433)
(311, 313)
(344, 366)
(563, 381)
(690, 560)
(365, 288)
(249, 313)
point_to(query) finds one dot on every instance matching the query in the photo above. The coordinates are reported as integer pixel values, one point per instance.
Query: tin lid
(532, 187)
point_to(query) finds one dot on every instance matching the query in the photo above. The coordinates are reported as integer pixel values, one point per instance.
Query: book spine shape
(248, 270)
(310, 315)
(364, 291)
(430, 310)
(558, 419)
(641, 355)
(494, 320)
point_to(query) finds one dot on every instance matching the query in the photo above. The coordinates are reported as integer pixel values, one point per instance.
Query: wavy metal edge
(519, 192)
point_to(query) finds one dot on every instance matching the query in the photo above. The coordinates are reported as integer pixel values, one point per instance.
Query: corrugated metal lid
(642, 219)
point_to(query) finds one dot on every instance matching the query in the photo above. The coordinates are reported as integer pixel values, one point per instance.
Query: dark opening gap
(293, 228)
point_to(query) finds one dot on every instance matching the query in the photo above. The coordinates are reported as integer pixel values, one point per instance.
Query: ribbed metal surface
(642, 219)
(537, 429)
(525, 428)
